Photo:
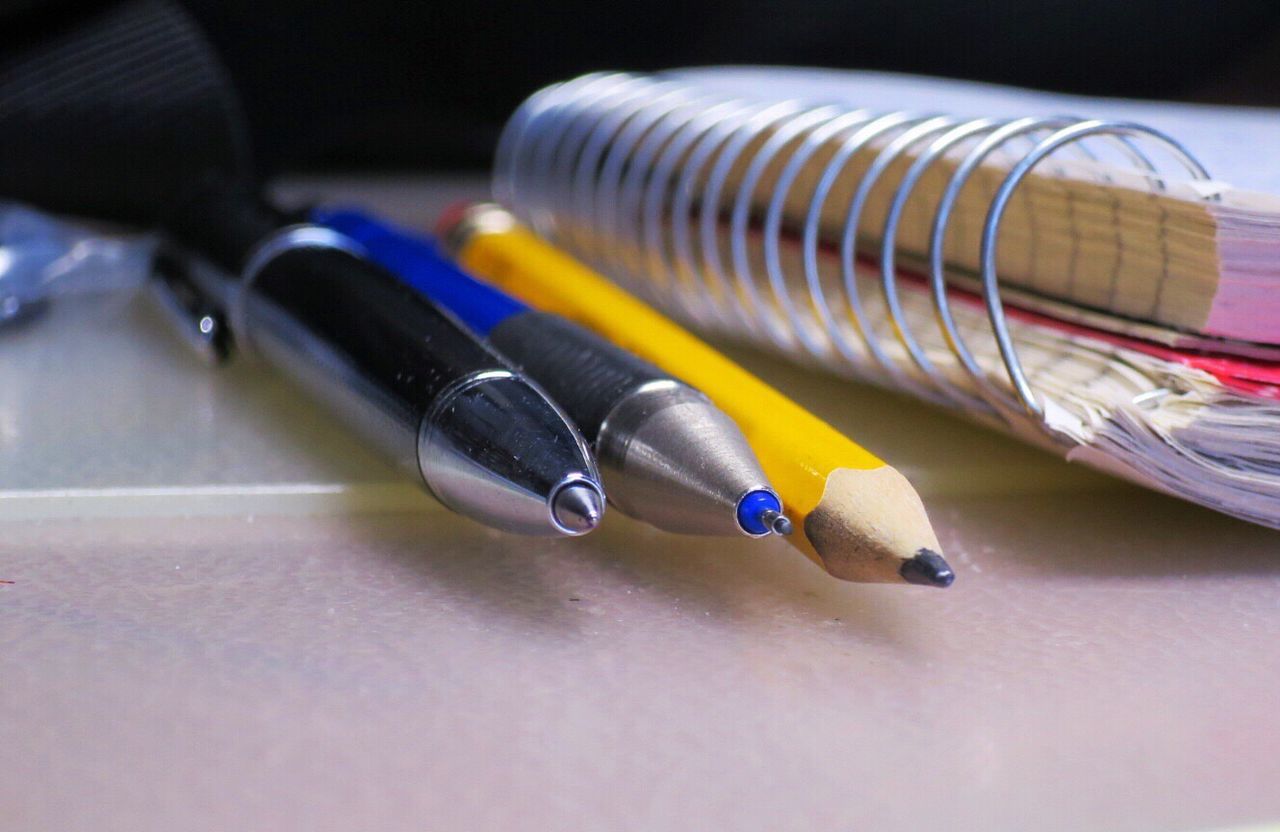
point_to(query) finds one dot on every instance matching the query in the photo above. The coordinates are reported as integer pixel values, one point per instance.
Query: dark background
(430, 82)
(427, 84)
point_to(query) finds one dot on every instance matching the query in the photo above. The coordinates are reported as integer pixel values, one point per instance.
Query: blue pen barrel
(582, 372)
(418, 263)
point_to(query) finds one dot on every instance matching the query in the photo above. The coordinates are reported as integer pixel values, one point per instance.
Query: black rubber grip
(585, 374)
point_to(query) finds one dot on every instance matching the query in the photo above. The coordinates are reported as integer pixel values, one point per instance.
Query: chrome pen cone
(578, 507)
(495, 449)
(671, 458)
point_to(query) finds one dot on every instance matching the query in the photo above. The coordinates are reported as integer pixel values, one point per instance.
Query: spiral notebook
(1081, 280)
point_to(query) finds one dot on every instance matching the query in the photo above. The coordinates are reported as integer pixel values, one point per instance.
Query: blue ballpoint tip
(760, 512)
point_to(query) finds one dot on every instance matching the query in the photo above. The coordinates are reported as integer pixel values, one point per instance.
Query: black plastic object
(389, 333)
(116, 112)
(349, 303)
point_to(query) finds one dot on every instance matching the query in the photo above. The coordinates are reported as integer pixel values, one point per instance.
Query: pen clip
(196, 316)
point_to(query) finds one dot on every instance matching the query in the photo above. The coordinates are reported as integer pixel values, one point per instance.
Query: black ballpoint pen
(482, 439)
(669, 456)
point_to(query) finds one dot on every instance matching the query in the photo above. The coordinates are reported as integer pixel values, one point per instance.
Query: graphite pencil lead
(927, 568)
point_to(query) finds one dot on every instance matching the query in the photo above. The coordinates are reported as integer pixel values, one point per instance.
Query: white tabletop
(225, 613)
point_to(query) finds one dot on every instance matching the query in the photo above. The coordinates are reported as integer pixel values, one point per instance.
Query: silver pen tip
(577, 508)
(760, 513)
(779, 523)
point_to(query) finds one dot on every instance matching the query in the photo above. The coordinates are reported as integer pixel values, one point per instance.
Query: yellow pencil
(861, 520)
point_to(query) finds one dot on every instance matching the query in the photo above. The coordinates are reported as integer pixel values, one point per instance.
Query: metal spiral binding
(624, 170)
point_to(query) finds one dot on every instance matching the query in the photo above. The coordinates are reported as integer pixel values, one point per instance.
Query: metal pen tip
(577, 508)
(760, 513)
(776, 522)
(927, 568)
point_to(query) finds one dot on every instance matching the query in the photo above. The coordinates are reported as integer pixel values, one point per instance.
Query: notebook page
(1213, 134)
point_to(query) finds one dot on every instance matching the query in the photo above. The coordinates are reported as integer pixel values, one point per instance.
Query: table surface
(225, 613)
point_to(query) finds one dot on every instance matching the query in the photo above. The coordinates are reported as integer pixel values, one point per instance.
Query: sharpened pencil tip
(927, 568)
(578, 508)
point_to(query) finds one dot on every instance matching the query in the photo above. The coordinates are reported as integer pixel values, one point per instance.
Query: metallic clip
(193, 312)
